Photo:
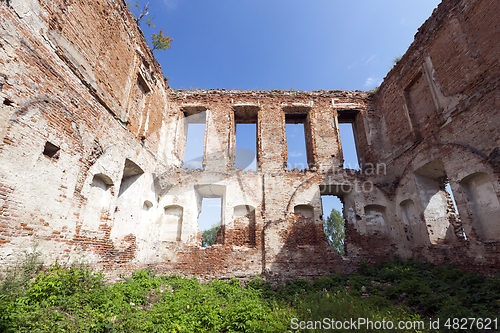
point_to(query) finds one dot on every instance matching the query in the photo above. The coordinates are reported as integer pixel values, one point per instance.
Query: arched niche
(146, 213)
(242, 210)
(131, 173)
(244, 224)
(376, 220)
(431, 180)
(147, 205)
(98, 202)
(304, 211)
(411, 223)
(128, 213)
(482, 205)
(171, 223)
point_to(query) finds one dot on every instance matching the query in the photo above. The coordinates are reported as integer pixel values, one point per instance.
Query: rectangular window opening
(296, 141)
(195, 140)
(246, 146)
(51, 150)
(348, 146)
(333, 222)
(209, 221)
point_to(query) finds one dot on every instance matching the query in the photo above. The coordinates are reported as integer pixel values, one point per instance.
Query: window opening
(296, 141)
(146, 212)
(194, 127)
(246, 146)
(348, 146)
(51, 150)
(209, 220)
(245, 120)
(127, 214)
(147, 205)
(333, 222)
(195, 140)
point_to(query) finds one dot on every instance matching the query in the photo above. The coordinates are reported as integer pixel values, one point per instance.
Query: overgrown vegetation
(17, 277)
(76, 299)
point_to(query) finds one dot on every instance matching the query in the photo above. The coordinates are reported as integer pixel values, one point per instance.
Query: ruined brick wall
(271, 216)
(78, 120)
(444, 82)
(437, 123)
(93, 153)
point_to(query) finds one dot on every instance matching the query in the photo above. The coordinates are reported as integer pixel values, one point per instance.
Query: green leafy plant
(160, 41)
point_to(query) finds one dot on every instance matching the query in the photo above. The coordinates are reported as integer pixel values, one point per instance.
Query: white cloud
(369, 82)
(372, 82)
(371, 59)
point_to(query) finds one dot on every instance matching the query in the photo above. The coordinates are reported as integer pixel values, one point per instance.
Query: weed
(74, 298)
(17, 276)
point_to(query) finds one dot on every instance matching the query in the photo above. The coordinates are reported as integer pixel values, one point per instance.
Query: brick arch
(435, 151)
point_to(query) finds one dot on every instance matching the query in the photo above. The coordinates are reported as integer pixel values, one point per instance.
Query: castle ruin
(93, 143)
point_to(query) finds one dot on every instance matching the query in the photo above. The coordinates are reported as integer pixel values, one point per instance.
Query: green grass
(76, 299)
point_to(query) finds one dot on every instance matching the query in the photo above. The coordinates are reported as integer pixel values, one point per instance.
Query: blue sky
(284, 44)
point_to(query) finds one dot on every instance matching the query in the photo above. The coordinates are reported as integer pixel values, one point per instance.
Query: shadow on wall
(302, 248)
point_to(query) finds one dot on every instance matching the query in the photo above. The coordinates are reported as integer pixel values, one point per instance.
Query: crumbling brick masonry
(93, 147)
